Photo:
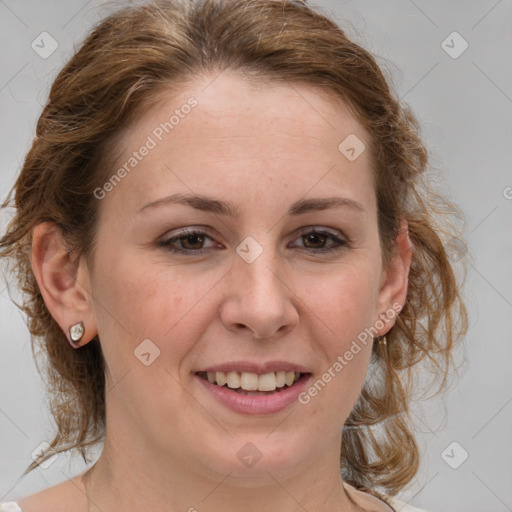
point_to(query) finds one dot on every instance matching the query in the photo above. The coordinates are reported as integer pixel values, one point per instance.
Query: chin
(249, 459)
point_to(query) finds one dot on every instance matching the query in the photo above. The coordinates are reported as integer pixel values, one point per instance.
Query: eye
(186, 242)
(192, 241)
(316, 240)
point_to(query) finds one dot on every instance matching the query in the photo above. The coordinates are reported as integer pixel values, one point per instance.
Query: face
(264, 274)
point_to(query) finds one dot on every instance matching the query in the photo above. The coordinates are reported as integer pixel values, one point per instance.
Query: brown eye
(314, 240)
(193, 241)
(322, 241)
(187, 242)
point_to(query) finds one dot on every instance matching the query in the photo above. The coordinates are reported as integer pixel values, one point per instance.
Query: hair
(131, 59)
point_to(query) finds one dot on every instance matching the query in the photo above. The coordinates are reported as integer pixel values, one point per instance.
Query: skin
(169, 444)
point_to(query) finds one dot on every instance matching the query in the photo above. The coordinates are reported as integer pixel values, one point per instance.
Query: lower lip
(254, 404)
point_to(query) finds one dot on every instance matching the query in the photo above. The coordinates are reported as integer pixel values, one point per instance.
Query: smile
(249, 383)
(254, 393)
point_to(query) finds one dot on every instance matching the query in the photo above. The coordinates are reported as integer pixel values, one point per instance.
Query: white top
(10, 506)
(398, 505)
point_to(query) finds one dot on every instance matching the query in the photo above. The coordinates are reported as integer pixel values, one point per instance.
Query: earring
(77, 331)
(383, 345)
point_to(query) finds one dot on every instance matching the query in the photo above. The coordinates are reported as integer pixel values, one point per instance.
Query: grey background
(465, 108)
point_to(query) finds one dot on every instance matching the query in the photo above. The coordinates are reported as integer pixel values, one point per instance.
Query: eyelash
(339, 244)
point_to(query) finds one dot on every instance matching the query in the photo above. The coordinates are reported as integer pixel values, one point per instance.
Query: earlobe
(57, 271)
(393, 291)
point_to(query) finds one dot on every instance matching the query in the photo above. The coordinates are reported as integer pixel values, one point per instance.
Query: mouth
(254, 384)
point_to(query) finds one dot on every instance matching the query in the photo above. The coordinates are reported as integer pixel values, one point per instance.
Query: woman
(230, 261)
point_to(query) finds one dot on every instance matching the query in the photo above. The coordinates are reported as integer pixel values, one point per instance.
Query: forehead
(227, 130)
(232, 107)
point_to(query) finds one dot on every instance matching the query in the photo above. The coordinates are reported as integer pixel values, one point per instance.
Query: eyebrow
(209, 204)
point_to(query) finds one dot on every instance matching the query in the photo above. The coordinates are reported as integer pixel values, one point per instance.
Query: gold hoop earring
(383, 345)
(76, 332)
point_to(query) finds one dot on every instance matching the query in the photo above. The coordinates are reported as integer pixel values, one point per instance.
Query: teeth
(267, 382)
(280, 379)
(252, 381)
(221, 379)
(233, 380)
(249, 381)
(290, 377)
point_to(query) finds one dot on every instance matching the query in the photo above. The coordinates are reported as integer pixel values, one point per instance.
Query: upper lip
(256, 367)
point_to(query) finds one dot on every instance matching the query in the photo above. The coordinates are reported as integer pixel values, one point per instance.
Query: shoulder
(65, 497)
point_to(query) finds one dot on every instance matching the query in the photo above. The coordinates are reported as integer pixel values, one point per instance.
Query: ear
(63, 280)
(394, 282)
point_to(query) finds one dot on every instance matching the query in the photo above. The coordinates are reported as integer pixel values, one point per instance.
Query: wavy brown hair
(141, 52)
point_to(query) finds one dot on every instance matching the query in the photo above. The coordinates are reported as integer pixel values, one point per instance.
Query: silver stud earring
(77, 331)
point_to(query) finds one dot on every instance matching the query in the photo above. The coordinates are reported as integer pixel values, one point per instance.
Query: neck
(132, 479)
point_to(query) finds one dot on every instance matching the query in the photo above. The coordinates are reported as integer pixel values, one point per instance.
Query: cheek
(346, 309)
(332, 394)
(138, 301)
(166, 306)
(345, 302)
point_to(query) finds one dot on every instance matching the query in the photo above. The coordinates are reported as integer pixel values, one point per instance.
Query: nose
(260, 300)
